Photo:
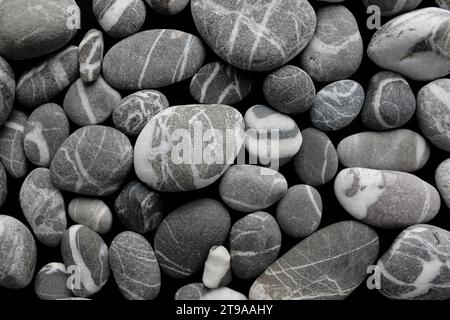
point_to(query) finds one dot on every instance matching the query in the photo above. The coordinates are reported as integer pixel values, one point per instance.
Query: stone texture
(90, 52)
(193, 291)
(51, 282)
(7, 90)
(393, 7)
(442, 178)
(444, 4)
(168, 8)
(217, 271)
(3, 185)
(92, 213)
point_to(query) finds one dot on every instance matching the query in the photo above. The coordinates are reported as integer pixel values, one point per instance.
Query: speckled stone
(330, 264)
(193, 291)
(386, 199)
(393, 7)
(3, 185)
(182, 251)
(217, 271)
(442, 178)
(417, 266)
(299, 212)
(94, 161)
(337, 105)
(92, 213)
(51, 282)
(401, 150)
(255, 36)
(7, 90)
(90, 52)
(444, 4)
(168, 7)
(134, 266)
(43, 207)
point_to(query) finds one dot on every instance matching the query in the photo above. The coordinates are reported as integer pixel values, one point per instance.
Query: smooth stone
(248, 188)
(17, 254)
(165, 163)
(33, 28)
(90, 52)
(299, 212)
(317, 162)
(417, 266)
(41, 84)
(51, 282)
(220, 83)
(182, 251)
(168, 8)
(336, 50)
(92, 213)
(12, 154)
(255, 242)
(89, 104)
(442, 178)
(134, 266)
(289, 90)
(386, 199)
(74, 299)
(46, 129)
(193, 291)
(444, 4)
(85, 250)
(224, 294)
(7, 90)
(119, 18)
(390, 103)
(139, 208)
(3, 185)
(337, 105)
(393, 7)
(217, 271)
(43, 207)
(93, 161)
(400, 150)
(414, 44)
(255, 36)
(134, 111)
(153, 59)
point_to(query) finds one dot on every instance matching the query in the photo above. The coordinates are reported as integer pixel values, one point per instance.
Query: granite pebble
(90, 52)
(51, 282)
(92, 213)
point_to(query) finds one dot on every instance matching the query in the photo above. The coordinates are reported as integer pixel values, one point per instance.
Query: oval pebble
(192, 291)
(51, 282)
(168, 8)
(7, 90)
(442, 178)
(3, 185)
(217, 271)
(92, 213)
(90, 52)
(393, 7)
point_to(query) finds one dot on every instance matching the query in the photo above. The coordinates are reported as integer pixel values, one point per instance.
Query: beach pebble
(134, 266)
(132, 114)
(393, 7)
(92, 213)
(90, 52)
(299, 212)
(386, 199)
(444, 4)
(248, 188)
(336, 50)
(43, 207)
(165, 150)
(33, 28)
(219, 83)
(192, 291)
(442, 178)
(85, 250)
(401, 150)
(225, 294)
(93, 161)
(168, 8)
(217, 272)
(3, 185)
(255, 36)
(7, 90)
(17, 254)
(255, 242)
(139, 208)
(51, 282)
(181, 251)
(317, 162)
(414, 44)
(46, 129)
(153, 59)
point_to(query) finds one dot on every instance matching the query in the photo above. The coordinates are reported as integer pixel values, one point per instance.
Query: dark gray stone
(90, 52)
(168, 7)
(51, 282)
(193, 291)
(7, 90)
(3, 185)
(444, 4)
(393, 7)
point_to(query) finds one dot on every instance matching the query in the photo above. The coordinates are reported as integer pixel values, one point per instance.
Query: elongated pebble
(442, 178)
(51, 282)
(90, 52)
(3, 185)
(217, 271)
(7, 90)
(92, 213)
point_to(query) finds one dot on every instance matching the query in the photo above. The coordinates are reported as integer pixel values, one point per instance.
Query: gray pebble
(193, 291)
(3, 185)
(168, 7)
(393, 7)
(444, 4)
(92, 213)
(51, 282)
(7, 90)
(90, 52)
(442, 178)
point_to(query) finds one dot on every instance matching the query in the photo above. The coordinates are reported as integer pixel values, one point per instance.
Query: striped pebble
(92, 213)
(192, 291)
(51, 282)
(7, 90)
(90, 52)
(393, 7)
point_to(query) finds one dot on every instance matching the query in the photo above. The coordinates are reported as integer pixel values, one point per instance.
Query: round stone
(92, 213)
(393, 7)
(168, 8)
(51, 282)
(3, 185)
(7, 90)
(442, 178)
(217, 271)
(90, 52)
(193, 291)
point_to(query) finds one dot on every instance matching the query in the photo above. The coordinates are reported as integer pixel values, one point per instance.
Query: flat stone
(217, 271)
(3, 185)
(168, 8)
(393, 7)
(193, 291)
(51, 282)
(92, 213)
(90, 52)
(442, 178)
(7, 90)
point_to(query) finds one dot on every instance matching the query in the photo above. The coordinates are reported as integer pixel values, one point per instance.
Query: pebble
(337, 105)
(248, 188)
(134, 266)
(85, 250)
(193, 291)
(329, 264)
(401, 150)
(92, 213)
(90, 52)
(217, 271)
(182, 251)
(386, 199)
(17, 254)
(416, 267)
(3, 185)
(337, 36)
(12, 154)
(46, 129)
(225, 294)
(414, 44)
(168, 8)
(444, 4)
(44, 82)
(33, 28)
(442, 178)
(88, 104)
(132, 114)
(7, 90)
(93, 161)
(393, 7)
(119, 18)
(51, 282)
(153, 59)
(252, 35)
(255, 242)
(390, 102)
(299, 212)
(43, 207)
(139, 208)
(159, 151)
(219, 83)
(317, 162)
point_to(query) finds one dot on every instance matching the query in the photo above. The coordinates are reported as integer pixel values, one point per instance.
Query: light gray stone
(90, 52)
(7, 90)
(442, 178)
(217, 271)
(51, 282)
(92, 213)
